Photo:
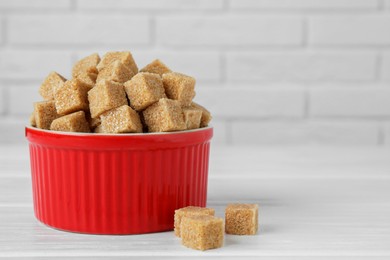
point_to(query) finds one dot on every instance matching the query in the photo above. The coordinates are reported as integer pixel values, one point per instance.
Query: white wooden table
(315, 203)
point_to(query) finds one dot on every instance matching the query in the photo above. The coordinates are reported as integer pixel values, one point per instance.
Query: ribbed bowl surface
(117, 184)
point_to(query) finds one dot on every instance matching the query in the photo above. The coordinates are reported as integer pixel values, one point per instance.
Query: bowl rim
(129, 141)
(63, 133)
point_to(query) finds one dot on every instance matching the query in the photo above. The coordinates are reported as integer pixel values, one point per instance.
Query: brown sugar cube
(115, 71)
(189, 211)
(88, 79)
(104, 96)
(94, 122)
(50, 85)
(98, 129)
(144, 126)
(241, 219)
(192, 117)
(156, 67)
(75, 122)
(144, 89)
(206, 115)
(45, 112)
(179, 87)
(122, 119)
(164, 116)
(32, 119)
(124, 57)
(202, 232)
(86, 65)
(71, 97)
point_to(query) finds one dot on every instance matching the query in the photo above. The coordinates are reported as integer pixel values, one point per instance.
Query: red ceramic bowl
(117, 184)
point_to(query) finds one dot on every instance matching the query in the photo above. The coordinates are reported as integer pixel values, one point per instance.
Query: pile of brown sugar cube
(199, 229)
(110, 95)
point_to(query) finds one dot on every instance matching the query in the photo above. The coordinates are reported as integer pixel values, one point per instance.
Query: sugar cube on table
(189, 211)
(202, 232)
(241, 219)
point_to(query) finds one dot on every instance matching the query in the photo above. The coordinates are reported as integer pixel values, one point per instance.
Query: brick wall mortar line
(73, 5)
(155, 13)
(4, 31)
(381, 134)
(305, 32)
(292, 12)
(304, 11)
(381, 5)
(2, 102)
(379, 64)
(223, 68)
(306, 105)
(225, 5)
(6, 101)
(229, 132)
(226, 49)
(70, 46)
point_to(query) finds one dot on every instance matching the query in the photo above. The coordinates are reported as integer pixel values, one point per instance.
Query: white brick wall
(327, 132)
(204, 65)
(386, 66)
(355, 30)
(33, 64)
(2, 25)
(220, 132)
(387, 133)
(77, 29)
(301, 66)
(28, 5)
(19, 95)
(304, 4)
(347, 102)
(271, 71)
(12, 130)
(149, 5)
(225, 30)
(251, 102)
(387, 4)
(2, 103)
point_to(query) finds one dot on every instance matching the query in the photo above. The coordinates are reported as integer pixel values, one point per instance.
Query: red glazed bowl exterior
(117, 184)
